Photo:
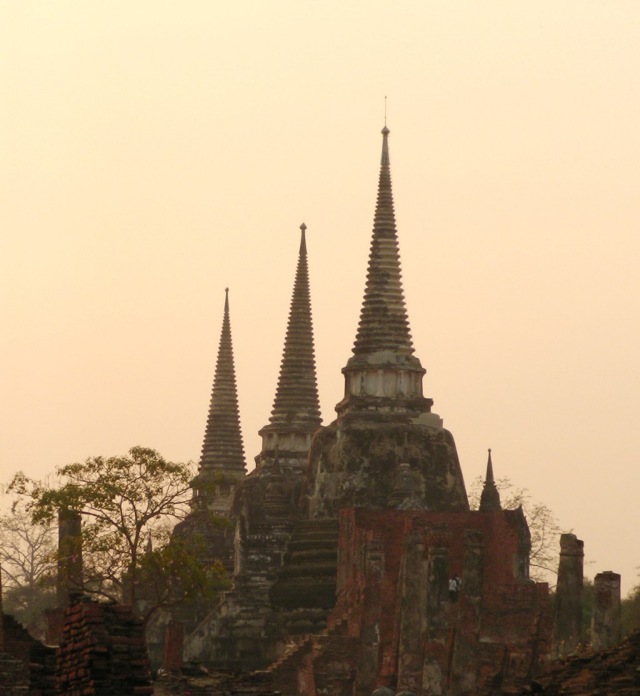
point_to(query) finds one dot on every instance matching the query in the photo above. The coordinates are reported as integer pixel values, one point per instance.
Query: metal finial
(385, 131)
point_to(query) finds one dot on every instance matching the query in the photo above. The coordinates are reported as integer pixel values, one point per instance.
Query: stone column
(173, 646)
(412, 601)
(567, 628)
(69, 556)
(467, 615)
(605, 621)
(434, 667)
(368, 666)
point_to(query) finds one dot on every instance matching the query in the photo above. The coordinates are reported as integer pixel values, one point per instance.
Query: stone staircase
(307, 579)
(283, 673)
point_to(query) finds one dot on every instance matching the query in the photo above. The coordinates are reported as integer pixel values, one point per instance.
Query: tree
(128, 505)
(630, 611)
(27, 556)
(543, 525)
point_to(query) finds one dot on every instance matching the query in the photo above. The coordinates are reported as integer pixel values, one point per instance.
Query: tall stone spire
(384, 324)
(490, 496)
(296, 404)
(383, 365)
(222, 461)
(296, 409)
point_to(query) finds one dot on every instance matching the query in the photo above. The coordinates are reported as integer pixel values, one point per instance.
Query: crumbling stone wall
(25, 663)
(102, 652)
(14, 676)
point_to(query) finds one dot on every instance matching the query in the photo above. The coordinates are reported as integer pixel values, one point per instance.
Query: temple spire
(296, 405)
(490, 497)
(222, 449)
(383, 374)
(384, 324)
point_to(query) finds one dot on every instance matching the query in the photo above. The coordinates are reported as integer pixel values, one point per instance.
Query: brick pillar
(53, 625)
(69, 556)
(466, 615)
(605, 623)
(568, 609)
(435, 663)
(369, 663)
(412, 603)
(173, 646)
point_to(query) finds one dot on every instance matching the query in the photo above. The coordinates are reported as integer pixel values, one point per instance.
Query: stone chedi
(343, 564)
(222, 463)
(208, 527)
(296, 408)
(387, 473)
(384, 420)
(242, 632)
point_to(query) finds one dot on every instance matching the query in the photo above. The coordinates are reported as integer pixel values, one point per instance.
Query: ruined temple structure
(244, 631)
(209, 527)
(222, 463)
(358, 563)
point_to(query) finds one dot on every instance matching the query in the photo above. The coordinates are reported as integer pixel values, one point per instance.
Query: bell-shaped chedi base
(359, 463)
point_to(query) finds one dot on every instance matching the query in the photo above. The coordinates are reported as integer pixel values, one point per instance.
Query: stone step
(313, 555)
(301, 543)
(318, 570)
(303, 526)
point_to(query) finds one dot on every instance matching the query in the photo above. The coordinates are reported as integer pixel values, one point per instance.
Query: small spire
(222, 449)
(489, 476)
(490, 497)
(296, 406)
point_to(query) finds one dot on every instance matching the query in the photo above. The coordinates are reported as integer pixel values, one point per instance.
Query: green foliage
(175, 572)
(128, 504)
(630, 610)
(587, 610)
(543, 525)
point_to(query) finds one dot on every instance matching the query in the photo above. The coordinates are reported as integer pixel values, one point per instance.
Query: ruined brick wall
(37, 661)
(28, 664)
(102, 652)
(14, 676)
(393, 596)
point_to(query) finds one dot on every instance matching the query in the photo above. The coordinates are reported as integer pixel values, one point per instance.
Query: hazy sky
(153, 153)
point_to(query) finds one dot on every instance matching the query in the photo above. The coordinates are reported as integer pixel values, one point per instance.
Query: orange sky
(153, 153)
